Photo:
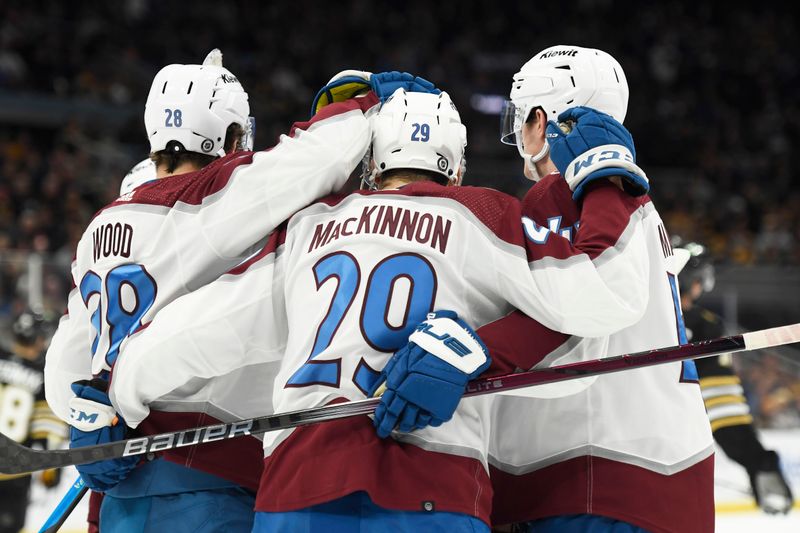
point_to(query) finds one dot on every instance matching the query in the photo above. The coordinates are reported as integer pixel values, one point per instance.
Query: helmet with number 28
(561, 77)
(419, 131)
(190, 107)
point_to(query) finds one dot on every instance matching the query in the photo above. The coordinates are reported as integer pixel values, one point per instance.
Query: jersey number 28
(130, 291)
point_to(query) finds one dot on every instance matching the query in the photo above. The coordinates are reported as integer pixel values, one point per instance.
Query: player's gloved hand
(384, 84)
(343, 86)
(598, 146)
(425, 379)
(351, 83)
(93, 421)
(771, 491)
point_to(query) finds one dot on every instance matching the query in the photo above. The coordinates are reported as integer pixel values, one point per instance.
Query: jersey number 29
(374, 323)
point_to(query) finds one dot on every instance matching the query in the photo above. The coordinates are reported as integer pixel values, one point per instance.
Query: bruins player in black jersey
(24, 414)
(731, 421)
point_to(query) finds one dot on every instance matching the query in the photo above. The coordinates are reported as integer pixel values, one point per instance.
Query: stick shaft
(65, 507)
(755, 340)
(15, 458)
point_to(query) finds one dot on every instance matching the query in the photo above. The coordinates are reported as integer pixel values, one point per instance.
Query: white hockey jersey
(635, 445)
(172, 236)
(336, 293)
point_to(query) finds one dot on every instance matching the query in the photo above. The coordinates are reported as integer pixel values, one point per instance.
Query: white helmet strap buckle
(531, 160)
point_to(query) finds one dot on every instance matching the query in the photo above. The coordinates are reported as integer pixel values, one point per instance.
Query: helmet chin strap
(531, 160)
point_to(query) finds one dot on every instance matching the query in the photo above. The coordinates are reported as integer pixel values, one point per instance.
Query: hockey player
(142, 172)
(211, 206)
(343, 285)
(633, 451)
(24, 414)
(731, 422)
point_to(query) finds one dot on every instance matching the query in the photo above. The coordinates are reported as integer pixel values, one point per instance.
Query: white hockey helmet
(142, 172)
(418, 131)
(561, 77)
(193, 105)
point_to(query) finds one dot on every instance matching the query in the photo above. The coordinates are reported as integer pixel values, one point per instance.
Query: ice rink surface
(758, 522)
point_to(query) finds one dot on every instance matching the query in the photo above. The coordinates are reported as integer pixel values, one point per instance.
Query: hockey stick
(65, 507)
(15, 458)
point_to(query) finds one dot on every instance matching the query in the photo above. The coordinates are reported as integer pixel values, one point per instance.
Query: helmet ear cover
(175, 155)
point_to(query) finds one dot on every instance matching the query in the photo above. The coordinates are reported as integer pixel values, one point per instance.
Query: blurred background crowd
(713, 111)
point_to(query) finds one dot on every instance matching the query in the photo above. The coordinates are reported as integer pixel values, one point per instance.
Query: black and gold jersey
(24, 414)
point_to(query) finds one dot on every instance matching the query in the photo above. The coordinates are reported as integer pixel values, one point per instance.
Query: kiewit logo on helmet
(556, 53)
(228, 78)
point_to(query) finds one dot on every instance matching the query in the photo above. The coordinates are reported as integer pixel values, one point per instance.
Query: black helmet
(28, 327)
(698, 267)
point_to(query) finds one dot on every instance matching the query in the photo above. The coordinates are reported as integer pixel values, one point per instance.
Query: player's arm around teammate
(488, 220)
(218, 202)
(212, 208)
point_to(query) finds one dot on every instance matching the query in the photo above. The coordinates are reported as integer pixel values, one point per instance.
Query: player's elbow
(605, 316)
(127, 403)
(58, 389)
(57, 396)
(626, 308)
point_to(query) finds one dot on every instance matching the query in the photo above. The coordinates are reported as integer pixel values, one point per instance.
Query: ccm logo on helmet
(554, 53)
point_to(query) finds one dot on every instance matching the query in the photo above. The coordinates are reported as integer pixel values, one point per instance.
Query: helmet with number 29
(419, 131)
(561, 77)
(190, 107)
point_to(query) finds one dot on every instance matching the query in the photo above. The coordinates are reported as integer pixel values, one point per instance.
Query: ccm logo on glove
(89, 415)
(609, 152)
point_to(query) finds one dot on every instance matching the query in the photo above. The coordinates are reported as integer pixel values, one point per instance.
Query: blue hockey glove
(351, 83)
(425, 379)
(384, 84)
(598, 146)
(94, 421)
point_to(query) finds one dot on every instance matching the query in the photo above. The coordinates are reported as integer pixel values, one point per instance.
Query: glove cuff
(88, 415)
(326, 96)
(450, 342)
(352, 75)
(604, 161)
